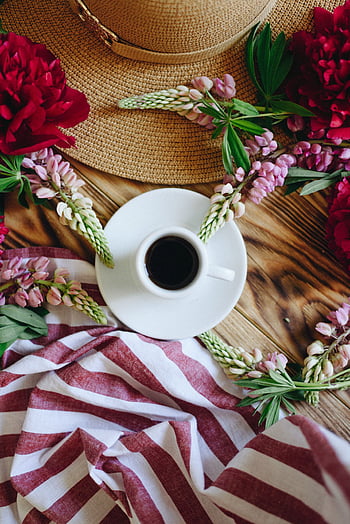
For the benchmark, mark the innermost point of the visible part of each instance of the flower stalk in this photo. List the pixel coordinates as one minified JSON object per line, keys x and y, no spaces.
{"x":267,"y":380}
{"x":30,"y":284}
{"x":52,"y":178}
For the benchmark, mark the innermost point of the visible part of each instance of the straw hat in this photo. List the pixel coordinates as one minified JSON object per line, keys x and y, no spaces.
{"x":160,"y":44}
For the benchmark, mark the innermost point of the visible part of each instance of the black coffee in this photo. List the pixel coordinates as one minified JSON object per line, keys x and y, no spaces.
{"x":172,"y":262}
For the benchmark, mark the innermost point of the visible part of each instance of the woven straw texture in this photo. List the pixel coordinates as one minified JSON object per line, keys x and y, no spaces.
{"x":151,"y":145}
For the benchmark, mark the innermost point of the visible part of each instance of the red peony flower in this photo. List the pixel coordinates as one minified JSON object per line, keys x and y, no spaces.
{"x":338,"y":224}
{"x":34,"y":98}
{"x":3,"y":232}
{"x":320,"y":80}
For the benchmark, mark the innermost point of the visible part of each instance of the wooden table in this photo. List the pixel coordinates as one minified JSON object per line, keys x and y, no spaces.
{"x":293,"y":280}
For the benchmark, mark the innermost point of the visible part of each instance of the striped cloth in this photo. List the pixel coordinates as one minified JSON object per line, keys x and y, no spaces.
{"x":102,"y":425}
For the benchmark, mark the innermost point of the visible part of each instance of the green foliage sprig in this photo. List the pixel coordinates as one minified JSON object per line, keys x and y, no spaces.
{"x":311,"y":181}
{"x":20,"y":323}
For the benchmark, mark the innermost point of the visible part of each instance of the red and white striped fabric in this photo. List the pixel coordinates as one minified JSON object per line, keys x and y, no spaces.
{"x":101,"y":425}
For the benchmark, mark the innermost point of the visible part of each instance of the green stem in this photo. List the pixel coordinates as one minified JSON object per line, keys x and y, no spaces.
{"x":6,"y":285}
{"x":49,"y":283}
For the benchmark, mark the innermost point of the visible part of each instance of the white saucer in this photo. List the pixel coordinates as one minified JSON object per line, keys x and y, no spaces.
{"x":155,"y":316}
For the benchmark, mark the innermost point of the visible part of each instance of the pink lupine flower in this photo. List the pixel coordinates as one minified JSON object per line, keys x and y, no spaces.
{"x":272,"y":362}
{"x":325,"y":328}
{"x":340,"y":317}
{"x":12,"y":268}
{"x":45,"y":192}
{"x":35,"y":297}
{"x":61,"y":272}
{"x":53,"y":296}
{"x":295,"y":123}
{"x":344,"y":350}
{"x":38,"y":263}
{"x":339,"y":362}
{"x":202,"y":83}
{"x":21,"y":297}
{"x":265,"y":143}
{"x":225,"y":88}
{"x":26,"y":280}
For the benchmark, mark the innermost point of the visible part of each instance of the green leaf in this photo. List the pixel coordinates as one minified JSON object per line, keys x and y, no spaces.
{"x":316,"y":185}
{"x":13,"y":162}
{"x":288,"y":405}
{"x":226,"y":154}
{"x":20,"y":323}
{"x":263,"y":45}
{"x":272,"y":413}
{"x":250,"y":57}
{"x":24,"y":192}
{"x":23,"y":315}
{"x":299,"y":173}
{"x":273,"y":390}
{"x":248,"y":126}
{"x":5,"y":345}
{"x":246,"y":401}
{"x":289,"y":107}
{"x":12,"y":331}
{"x":211,"y":111}
{"x":280,"y":379}
{"x":237,"y":150}
{"x":244,"y":108}
{"x":280,"y":62}
{"x":254,"y":383}
{"x":219,"y":128}
{"x":4,"y":321}
{"x":290,"y":188}
{"x":8,"y":184}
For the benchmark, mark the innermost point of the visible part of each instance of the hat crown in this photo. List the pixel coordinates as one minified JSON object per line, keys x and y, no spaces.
{"x":177,"y":26}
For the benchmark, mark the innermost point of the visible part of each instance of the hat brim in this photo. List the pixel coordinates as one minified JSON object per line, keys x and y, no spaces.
{"x":150,"y":145}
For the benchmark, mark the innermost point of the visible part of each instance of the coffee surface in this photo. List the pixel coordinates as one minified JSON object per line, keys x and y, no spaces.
{"x":172,"y":262}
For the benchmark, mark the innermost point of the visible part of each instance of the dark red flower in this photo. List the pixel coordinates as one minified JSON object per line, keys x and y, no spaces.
{"x":3,"y":232}
{"x":320,"y":80}
{"x":338,"y":224}
{"x":34,"y":98}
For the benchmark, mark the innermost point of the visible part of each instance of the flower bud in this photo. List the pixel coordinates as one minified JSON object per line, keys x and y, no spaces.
{"x":238,"y":209}
{"x":195,"y":94}
{"x":315,"y":348}
{"x":53,"y":296}
{"x":327,"y":368}
{"x":257,"y":355}
{"x":295,"y":123}
{"x":237,"y":371}
{"x":344,"y":350}
{"x":254,"y":374}
{"x":281,"y":361}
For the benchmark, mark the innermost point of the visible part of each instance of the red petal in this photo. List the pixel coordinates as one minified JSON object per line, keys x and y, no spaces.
{"x":340,"y":132}
{"x":323,"y":20}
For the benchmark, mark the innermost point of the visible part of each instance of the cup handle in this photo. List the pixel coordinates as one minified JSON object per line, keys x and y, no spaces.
{"x":223,"y":273}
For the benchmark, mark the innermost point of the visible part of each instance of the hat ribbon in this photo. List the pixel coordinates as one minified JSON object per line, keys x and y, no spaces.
{"x":126,"y":49}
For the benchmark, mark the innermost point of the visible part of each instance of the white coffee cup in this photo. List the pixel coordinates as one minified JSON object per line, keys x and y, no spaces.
{"x":171,"y":261}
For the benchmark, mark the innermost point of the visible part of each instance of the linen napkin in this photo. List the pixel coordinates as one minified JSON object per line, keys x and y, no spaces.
{"x":103,"y":425}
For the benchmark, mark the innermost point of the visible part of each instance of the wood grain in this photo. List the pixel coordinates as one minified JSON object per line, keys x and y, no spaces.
{"x":293,"y":279}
